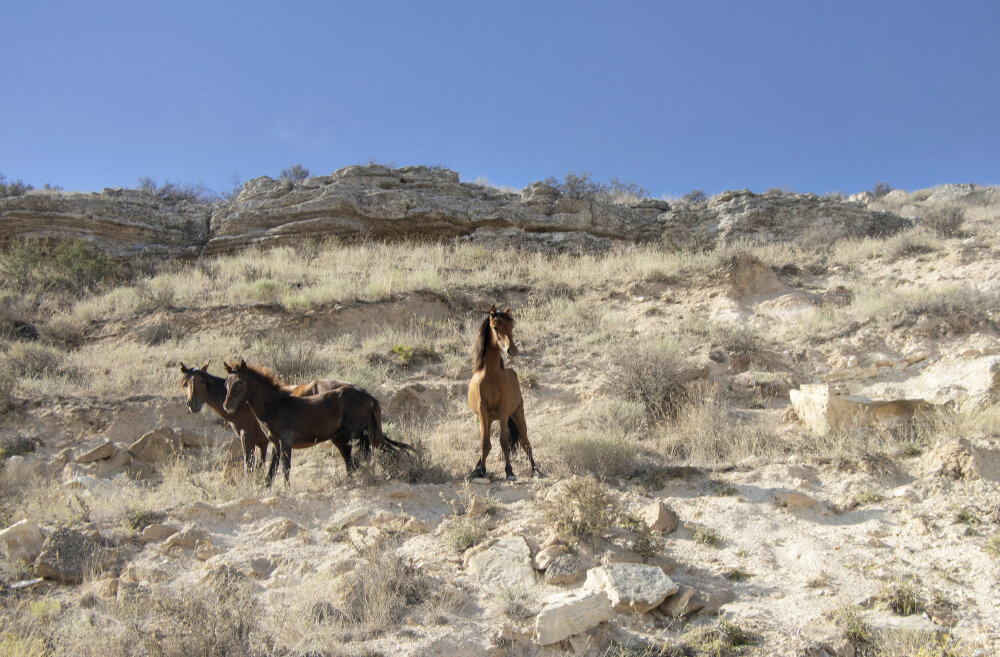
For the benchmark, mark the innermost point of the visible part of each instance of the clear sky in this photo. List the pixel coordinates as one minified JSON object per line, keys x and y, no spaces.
{"x":806,"y":94}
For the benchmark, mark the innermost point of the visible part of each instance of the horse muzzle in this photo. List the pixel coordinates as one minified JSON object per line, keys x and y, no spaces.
{"x":512,"y":349}
{"x":194,"y":406}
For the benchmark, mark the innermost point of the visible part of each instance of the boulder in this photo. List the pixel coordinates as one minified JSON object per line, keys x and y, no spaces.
{"x":416,"y":400}
{"x":22,"y":540}
{"x":824,"y":411}
{"x":567,"y":614}
{"x":886,"y":623}
{"x":68,"y":554}
{"x":187,"y":538}
{"x":955,"y":459}
{"x":631,"y":587}
{"x":505,"y":564}
{"x":20,"y":469}
{"x":701,"y":598}
{"x":277,"y":529}
{"x":157,"y":445}
{"x":345,"y":519}
{"x":659,"y":517}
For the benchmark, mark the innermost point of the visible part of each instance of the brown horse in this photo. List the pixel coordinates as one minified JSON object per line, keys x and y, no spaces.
{"x":495,"y":392}
{"x":338,"y":415}
{"x":204,"y":388}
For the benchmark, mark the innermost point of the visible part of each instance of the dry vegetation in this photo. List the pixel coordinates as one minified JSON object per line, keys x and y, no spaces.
{"x":608,"y":346}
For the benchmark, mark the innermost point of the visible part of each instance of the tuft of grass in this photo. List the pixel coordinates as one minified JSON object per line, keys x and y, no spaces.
{"x":517,"y":603}
{"x":582,"y":509}
{"x":993,"y":545}
{"x":967,"y":515}
{"x":738,"y":575}
{"x":464,"y":532}
{"x":820,"y":581}
{"x":868,"y":496}
{"x":720,"y":639}
{"x":901,"y":597}
{"x":645,"y":543}
{"x":850,"y":620}
{"x":706,"y":536}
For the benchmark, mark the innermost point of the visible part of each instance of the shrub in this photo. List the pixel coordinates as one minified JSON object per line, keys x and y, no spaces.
{"x":901,"y":597}
{"x":15,"y":446}
{"x":14,"y":188}
{"x":295,"y":173}
{"x":650,"y":373}
{"x":742,"y":342}
{"x":695,"y":196}
{"x":172,"y":192}
{"x":881,"y":189}
{"x":82,"y":266}
{"x":584,"y":186}
{"x":19,"y":263}
{"x":945,"y":220}
{"x":582,"y":509}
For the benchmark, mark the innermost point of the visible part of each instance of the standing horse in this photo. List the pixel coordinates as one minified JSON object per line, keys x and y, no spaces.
{"x":204,"y":388}
{"x":338,"y":415}
{"x":495,"y":392}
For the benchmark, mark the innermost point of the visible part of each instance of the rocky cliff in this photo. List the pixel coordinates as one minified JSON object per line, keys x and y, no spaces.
{"x":421,"y":203}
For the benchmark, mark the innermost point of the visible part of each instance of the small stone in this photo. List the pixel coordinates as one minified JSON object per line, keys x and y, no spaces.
{"x":620,"y":556}
{"x":793,"y":499}
{"x":506,"y":563}
{"x":157,"y":532}
{"x":156,"y":446}
{"x":186,"y":538}
{"x":277,"y":529}
{"x":345,"y":519}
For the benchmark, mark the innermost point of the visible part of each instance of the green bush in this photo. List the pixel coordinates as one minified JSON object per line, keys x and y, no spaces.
{"x":83,"y":266}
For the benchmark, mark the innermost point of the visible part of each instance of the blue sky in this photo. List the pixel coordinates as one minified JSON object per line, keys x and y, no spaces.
{"x":813,"y":96}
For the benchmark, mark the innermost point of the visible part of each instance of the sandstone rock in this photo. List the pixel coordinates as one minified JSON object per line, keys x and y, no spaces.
{"x":955,"y":459}
{"x":277,"y":529}
{"x":679,"y":605}
{"x":507,"y":564}
{"x":767,"y":384}
{"x":659,"y":517}
{"x":545,"y":556}
{"x":634,"y":588}
{"x":106,"y":588}
{"x":157,"y":532}
{"x":824,"y":411}
{"x":567,"y":614}
{"x":565,"y":570}
{"x":157,"y":445}
{"x":186,"y":538}
{"x":886,"y":623}
{"x":621,"y":556}
{"x":345,"y":519}
{"x":123,"y":222}
{"x":145,"y":572}
{"x":68,"y":554}
{"x":20,"y":469}
{"x":416,"y":400}
{"x":23,"y":540}
{"x":99,"y":453}
{"x":792,"y":499}
{"x":701,"y":598}
{"x":476,"y":507}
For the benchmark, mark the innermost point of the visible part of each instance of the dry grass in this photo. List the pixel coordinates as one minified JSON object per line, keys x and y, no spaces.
{"x":581,"y":509}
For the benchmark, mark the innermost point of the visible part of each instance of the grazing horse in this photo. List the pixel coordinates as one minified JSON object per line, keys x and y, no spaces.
{"x":495,"y":392}
{"x":204,"y":388}
{"x":338,"y":415}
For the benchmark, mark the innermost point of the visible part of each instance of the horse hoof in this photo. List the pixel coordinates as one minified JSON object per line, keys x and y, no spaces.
{"x":538,"y":474}
{"x":511,"y":477}
{"x":478,"y":473}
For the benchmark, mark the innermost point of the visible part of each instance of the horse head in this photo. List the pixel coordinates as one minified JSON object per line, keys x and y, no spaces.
{"x":194,"y":384}
{"x":236,"y":386}
{"x":502,"y":325}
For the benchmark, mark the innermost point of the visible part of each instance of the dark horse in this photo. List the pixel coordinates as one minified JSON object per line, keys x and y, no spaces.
{"x":495,"y":392}
{"x":338,"y":415}
{"x":204,"y":388}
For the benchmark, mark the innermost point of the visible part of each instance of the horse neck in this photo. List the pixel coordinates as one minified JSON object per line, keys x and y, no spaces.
{"x":262,"y":397}
{"x":493,"y":362}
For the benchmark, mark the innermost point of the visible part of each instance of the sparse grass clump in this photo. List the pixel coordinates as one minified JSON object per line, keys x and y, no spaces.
{"x":464,"y":532}
{"x":706,"y":536}
{"x":743,"y":343}
{"x":967,"y":515}
{"x":720,"y":639}
{"x":582,"y":509}
{"x":993,"y":545}
{"x":15,"y":445}
{"x":850,"y":620}
{"x":645,"y":543}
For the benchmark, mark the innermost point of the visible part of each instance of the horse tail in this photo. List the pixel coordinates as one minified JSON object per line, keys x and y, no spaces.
{"x":378,"y":437}
{"x":514,"y":434}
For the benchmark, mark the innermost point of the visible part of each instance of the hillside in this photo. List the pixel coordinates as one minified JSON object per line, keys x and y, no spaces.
{"x":768,"y":423}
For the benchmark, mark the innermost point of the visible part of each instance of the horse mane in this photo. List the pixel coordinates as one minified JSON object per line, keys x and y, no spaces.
{"x":265,"y":375}
{"x":483,"y":342}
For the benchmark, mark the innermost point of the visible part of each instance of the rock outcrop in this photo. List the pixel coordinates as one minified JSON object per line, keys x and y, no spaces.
{"x":421,"y":203}
{"x":123,"y":222}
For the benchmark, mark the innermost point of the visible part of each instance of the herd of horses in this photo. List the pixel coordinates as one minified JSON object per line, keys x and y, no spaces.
{"x":262,"y":410}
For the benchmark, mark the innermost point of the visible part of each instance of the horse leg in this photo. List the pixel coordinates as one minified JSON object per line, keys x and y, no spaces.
{"x":522,"y":429}
{"x":344,"y":445}
{"x":273,"y":468}
{"x":505,"y":446}
{"x":484,"y":430}
{"x":286,"y":460}
{"x":248,"y":452}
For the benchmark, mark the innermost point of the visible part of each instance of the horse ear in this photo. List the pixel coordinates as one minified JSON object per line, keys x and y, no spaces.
{"x":228,"y":368}
{"x":243,"y":364}
{"x":493,"y":310}
{"x":204,"y":368}
{"x":507,"y":311}
{"x":184,"y":370}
